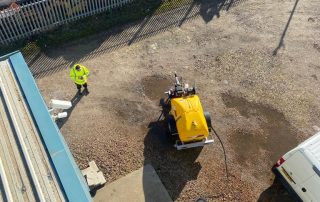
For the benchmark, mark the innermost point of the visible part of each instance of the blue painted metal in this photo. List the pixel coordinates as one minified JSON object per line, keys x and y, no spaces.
{"x":4,"y":57}
{"x":70,"y":177}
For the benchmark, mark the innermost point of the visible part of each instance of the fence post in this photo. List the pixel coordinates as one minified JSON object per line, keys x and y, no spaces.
{"x":31,"y":18}
{"x":86,"y":10}
{"x":54,"y":12}
{"x":8,"y":26}
{"x":60,"y":11}
{"x":3,"y":33}
{"x":17,"y":25}
{"x":38,"y":17}
{"x":90,"y":7}
{"x":25,"y":22}
{"x":49,"y":13}
{"x":43,"y":10}
{"x":21,"y":23}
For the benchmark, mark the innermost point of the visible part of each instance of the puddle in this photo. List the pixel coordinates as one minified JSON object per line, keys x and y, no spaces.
{"x":155,"y":86}
{"x":275,"y":135}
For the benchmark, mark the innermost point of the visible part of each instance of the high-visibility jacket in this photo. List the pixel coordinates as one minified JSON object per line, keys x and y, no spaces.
{"x":79,"y":77}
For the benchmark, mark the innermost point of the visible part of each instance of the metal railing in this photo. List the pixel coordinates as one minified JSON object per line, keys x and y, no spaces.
{"x":22,"y":21}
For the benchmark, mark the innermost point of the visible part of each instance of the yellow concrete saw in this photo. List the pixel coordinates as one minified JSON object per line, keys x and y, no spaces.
{"x":187,"y":123}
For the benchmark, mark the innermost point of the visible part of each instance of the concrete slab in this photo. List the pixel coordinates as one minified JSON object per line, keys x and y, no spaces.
{"x":140,"y":185}
{"x":93,"y":176}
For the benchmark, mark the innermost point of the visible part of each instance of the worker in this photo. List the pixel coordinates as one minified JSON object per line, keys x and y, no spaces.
{"x":79,"y":75}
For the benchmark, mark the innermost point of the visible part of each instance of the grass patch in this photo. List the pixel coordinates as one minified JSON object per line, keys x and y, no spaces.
{"x":170,"y":5}
{"x":134,"y":11}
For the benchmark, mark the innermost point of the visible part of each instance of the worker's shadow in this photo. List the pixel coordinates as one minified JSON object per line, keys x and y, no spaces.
{"x":174,"y":168}
{"x":75,"y":100}
{"x":210,"y":8}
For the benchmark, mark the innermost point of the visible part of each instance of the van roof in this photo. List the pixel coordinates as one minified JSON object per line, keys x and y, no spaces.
{"x":312,"y":148}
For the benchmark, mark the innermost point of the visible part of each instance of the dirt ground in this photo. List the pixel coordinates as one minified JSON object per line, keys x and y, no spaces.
{"x":256,"y":65}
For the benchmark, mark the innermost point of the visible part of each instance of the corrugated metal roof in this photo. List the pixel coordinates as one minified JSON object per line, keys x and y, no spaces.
{"x":25,"y":118}
{"x":18,"y":133}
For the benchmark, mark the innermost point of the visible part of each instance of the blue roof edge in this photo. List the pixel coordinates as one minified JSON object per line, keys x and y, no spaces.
{"x":4,"y":57}
{"x":70,"y":177}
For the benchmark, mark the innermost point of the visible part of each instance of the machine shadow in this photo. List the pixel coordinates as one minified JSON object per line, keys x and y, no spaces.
{"x":276,"y":192}
{"x":174,"y":168}
{"x":75,"y":100}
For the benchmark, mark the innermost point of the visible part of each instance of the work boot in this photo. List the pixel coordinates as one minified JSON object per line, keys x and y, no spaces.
{"x":86,"y":91}
{"x":79,"y":92}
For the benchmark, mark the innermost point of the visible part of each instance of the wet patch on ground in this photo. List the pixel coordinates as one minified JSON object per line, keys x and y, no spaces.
{"x":128,"y":111}
{"x":247,"y":145}
{"x":155,"y":86}
{"x":275,"y":135}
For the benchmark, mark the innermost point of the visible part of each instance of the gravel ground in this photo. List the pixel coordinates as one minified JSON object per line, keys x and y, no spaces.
{"x":256,"y":65}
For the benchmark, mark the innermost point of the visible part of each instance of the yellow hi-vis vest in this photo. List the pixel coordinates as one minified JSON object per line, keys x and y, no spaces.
{"x":79,"y":77}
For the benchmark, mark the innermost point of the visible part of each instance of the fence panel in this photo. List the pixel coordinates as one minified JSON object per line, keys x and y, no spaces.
{"x":18,"y":22}
{"x":23,"y":22}
{"x":9,"y":26}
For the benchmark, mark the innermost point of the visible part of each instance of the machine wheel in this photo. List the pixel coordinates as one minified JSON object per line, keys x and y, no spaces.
{"x":208,"y":120}
{"x":172,"y":129}
{"x":171,"y":125}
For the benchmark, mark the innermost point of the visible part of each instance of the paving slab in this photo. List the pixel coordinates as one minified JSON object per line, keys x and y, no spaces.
{"x":140,"y":185}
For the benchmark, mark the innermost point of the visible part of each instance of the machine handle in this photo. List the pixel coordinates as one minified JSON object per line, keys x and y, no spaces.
{"x":177,"y":79}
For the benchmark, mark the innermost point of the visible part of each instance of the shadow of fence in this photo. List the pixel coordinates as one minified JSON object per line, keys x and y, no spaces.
{"x":46,"y":62}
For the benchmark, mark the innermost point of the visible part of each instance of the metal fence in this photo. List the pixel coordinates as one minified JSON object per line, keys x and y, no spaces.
{"x":21,"y":21}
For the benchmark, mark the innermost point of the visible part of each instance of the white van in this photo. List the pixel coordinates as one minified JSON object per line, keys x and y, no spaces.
{"x":299,"y":170}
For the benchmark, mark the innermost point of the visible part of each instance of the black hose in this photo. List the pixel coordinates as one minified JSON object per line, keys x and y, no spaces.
{"x":224,"y":152}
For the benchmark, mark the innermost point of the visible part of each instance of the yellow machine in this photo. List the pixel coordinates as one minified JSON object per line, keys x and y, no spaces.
{"x":187,"y":123}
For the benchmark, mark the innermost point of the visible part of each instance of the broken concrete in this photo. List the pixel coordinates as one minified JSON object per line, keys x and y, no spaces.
{"x":93,"y":176}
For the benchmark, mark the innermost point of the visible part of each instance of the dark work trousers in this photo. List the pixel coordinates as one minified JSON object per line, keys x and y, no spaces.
{"x":79,"y":86}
